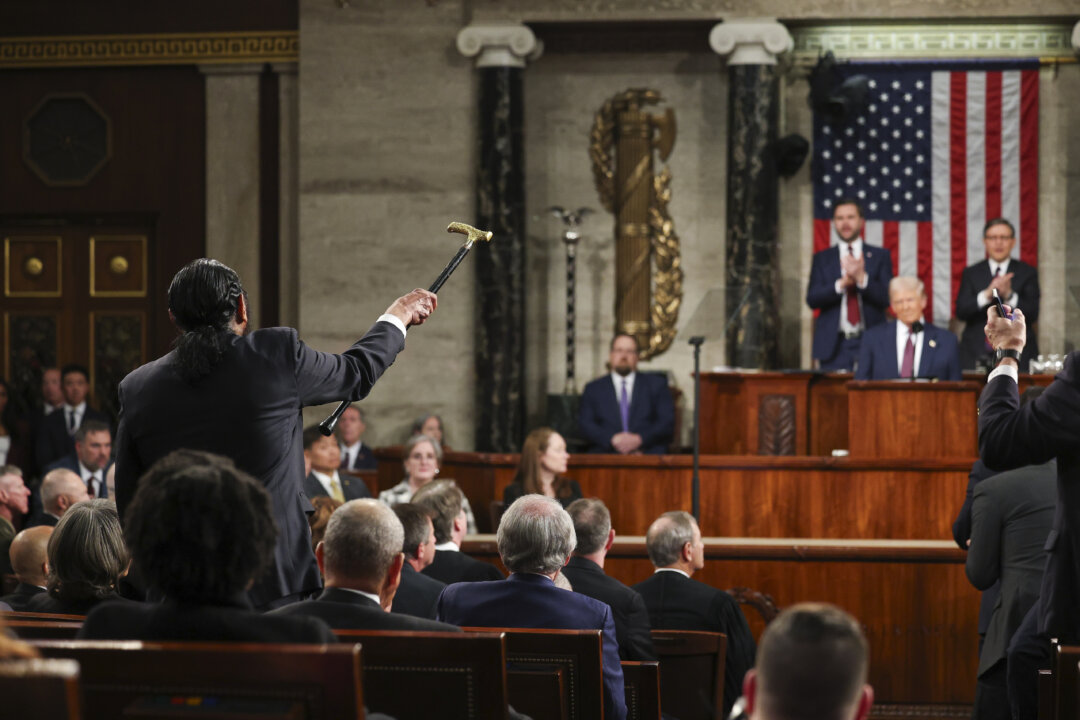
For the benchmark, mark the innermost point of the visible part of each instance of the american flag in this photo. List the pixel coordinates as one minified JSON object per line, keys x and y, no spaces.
{"x":938,"y":150}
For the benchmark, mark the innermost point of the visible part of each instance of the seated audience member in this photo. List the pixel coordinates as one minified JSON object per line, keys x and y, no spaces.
{"x":592,"y":525}
{"x":675,"y":601}
{"x":1011,"y":517}
{"x":14,"y":502}
{"x":325,"y":458}
{"x":29,"y":558}
{"x":87,"y":558}
{"x":625,"y":411}
{"x":200,"y":531}
{"x":361,"y":559}
{"x":443,"y":501}
{"x":355,"y":455}
{"x":55,"y":436}
{"x":417,"y":593}
{"x":543,"y":460}
{"x":535,"y":539}
{"x":324,"y":508}
{"x":14,"y":432}
{"x":422,"y":455}
{"x":811,"y":665}
{"x":432,"y":426}
{"x":908,"y":347}
{"x":60,"y":489}
{"x":91,"y":458}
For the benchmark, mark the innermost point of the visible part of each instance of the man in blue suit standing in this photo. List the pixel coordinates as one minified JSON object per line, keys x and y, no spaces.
{"x":908,"y":347}
{"x":626,"y":411}
{"x":536,"y":537}
{"x":849,"y":287}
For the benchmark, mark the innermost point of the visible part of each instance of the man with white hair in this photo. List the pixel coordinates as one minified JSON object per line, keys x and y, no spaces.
{"x":60,"y":489}
{"x":811,"y":665}
{"x":535,"y":539}
{"x":14,"y":500}
{"x":908,"y":347}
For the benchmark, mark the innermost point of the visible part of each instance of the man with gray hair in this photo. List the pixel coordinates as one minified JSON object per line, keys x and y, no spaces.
{"x":60,"y":489}
{"x":535,"y":539}
{"x":14,"y":500}
{"x":360,"y":558}
{"x":811,"y":665}
{"x":595,"y":536}
{"x":675,"y":601}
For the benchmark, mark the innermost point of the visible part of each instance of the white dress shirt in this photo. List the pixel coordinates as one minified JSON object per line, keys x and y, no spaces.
{"x":902,"y":334}
{"x":79,"y":411}
{"x":327,"y":481}
{"x":629,"y":380}
{"x":986,"y":297}
{"x":92,"y":479}
{"x":856,"y":251}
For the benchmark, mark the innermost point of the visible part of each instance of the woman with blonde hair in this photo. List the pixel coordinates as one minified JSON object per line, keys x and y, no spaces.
{"x":540,"y":470}
{"x":422,"y":456}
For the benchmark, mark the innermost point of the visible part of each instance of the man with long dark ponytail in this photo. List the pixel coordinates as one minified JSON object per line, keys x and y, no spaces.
{"x":239,"y":394}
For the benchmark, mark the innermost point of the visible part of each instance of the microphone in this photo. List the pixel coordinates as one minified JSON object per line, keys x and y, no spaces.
{"x":916,"y":327}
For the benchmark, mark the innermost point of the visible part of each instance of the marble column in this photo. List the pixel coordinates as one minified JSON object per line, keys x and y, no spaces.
{"x":501,"y":52}
{"x":288,"y":183}
{"x":753,"y":272}
{"x":232,"y":171}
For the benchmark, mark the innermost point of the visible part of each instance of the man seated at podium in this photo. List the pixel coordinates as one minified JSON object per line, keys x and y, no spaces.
{"x":908,"y":347}
{"x":627,"y":412}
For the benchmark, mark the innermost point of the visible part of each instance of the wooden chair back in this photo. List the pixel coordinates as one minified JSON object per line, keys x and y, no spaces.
{"x":541,"y":689}
{"x":214,"y":680}
{"x":691,"y":673}
{"x":1066,"y":701}
{"x":577,"y":652}
{"x":447,"y":675}
{"x":40,"y":689}
{"x":56,"y":617}
{"x":44,"y":630}
{"x":642,"y":680}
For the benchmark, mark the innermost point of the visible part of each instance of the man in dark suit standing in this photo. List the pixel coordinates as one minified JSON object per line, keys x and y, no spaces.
{"x":626,"y":411}
{"x":535,"y":539}
{"x":29,"y":560}
{"x":361,"y":559}
{"x":908,"y":347}
{"x":417,"y":593}
{"x":240,"y":395}
{"x":1011,"y":514}
{"x":1011,"y":435}
{"x":676,"y":601}
{"x":55,"y":436}
{"x":91,"y":458}
{"x":1016,"y":282}
{"x":849,"y":287}
{"x":444,"y":503}
{"x":585,"y":571}
{"x":355,"y":455}
{"x":325,"y":458}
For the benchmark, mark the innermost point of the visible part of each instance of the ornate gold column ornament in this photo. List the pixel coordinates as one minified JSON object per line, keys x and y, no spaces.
{"x":648,"y":271}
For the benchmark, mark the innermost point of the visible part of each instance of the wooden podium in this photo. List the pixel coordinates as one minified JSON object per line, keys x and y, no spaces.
{"x":913,"y":419}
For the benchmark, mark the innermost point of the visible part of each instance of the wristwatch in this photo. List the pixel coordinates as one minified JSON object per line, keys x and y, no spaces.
{"x":1000,"y":355}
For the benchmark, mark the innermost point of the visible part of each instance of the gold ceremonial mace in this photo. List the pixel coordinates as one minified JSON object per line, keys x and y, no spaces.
{"x":326,"y":427}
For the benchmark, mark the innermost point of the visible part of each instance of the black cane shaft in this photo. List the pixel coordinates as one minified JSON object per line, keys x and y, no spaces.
{"x":326,"y":427}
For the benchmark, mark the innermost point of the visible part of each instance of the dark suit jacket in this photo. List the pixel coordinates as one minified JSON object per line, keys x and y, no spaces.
{"x":533,"y":601}
{"x":42,"y":518}
{"x":352,"y":488}
{"x":676,"y":602}
{"x":877,"y":354}
{"x":364,"y":460}
{"x":46,"y":603}
{"x":652,"y":413}
{"x":226,"y":622}
{"x":974,"y":280}
{"x":71,"y":462}
{"x":53,"y":441}
{"x":417,"y":594}
{"x":1011,"y":436}
{"x":961,"y":530}
{"x":515,"y":490}
{"x":1011,"y":517}
{"x":19,"y":599}
{"x":821,"y":295}
{"x":248,"y":409}
{"x":451,"y":566}
{"x":631,"y":620}
{"x":346,"y":610}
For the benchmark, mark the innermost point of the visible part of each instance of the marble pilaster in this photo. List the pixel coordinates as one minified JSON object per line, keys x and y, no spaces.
{"x":753,"y":273}
{"x":288,"y":215}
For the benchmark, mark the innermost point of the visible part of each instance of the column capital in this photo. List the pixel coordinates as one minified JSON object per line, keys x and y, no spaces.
{"x":505,"y":45}
{"x":750,"y":41}
{"x":1076,"y":38}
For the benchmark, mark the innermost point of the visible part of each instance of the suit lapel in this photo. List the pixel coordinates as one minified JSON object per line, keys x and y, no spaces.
{"x":926,"y":362}
{"x":890,"y":347}
{"x":612,"y":398}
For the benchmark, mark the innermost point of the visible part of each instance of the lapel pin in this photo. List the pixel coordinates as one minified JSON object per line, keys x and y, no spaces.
{"x":933,"y":343}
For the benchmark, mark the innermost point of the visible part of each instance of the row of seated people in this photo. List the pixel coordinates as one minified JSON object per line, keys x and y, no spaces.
{"x":200,"y":531}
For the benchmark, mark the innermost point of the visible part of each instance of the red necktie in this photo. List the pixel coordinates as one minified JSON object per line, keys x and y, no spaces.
{"x":907,"y":369}
{"x":852,"y":299}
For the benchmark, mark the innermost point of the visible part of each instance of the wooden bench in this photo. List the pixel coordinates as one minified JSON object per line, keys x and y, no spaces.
{"x":214,"y":680}
{"x":44,"y":629}
{"x":578,"y":654}
{"x":40,"y":689}
{"x":57,"y":617}
{"x":444,"y":675}
{"x":1066,"y":702}
{"x":642,"y":680}
{"x":691,"y":673}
